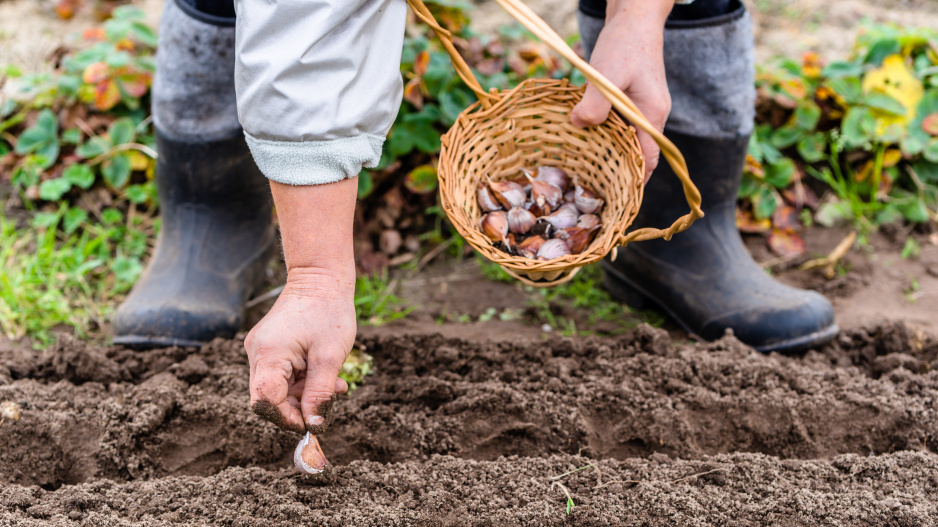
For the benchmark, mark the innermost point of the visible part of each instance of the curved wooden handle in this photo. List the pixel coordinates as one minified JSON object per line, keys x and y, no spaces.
{"x":620,"y":101}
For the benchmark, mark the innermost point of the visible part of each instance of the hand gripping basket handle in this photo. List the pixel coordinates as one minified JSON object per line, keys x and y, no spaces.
{"x":619,"y":100}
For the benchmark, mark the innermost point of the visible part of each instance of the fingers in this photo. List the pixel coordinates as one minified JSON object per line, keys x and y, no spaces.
{"x":593,"y":110}
{"x":320,"y":389}
{"x":270,"y":381}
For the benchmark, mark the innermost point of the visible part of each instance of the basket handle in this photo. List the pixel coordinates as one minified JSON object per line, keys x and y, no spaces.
{"x":620,"y":101}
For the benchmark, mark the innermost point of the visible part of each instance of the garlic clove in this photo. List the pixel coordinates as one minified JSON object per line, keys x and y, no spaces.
{"x":553,"y":175}
{"x":543,"y":193}
{"x":532,"y":244}
{"x":553,"y":248}
{"x":509,"y":194}
{"x":571,"y":206}
{"x":486,"y":200}
{"x":562,"y":218}
{"x":495,"y":225}
{"x":10,"y":410}
{"x":569,"y":195}
{"x":588,"y":221}
{"x":586,"y":200}
{"x":538,"y":210}
{"x":520,"y":221}
{"x":308,"y":457}
{"x":577,"y":238}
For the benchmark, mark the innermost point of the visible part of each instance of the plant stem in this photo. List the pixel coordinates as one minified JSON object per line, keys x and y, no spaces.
{"x":877,"y":174}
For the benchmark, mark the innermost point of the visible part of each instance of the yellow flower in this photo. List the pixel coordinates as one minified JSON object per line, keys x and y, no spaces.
{"x":894,"y":78}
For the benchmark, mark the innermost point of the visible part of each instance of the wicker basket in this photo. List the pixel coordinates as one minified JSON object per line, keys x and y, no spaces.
{"x":530,"y":126}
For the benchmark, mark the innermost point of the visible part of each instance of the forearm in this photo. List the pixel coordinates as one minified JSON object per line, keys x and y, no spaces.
{"x":316,"y":227}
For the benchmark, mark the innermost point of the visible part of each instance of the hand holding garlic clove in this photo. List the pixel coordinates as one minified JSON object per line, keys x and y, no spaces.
{"x":549,"y":214}
{"x":308,"y":457}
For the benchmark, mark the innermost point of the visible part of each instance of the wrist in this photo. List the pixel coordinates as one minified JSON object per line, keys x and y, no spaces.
{"x":319,"y":282}
{"x":640,"y":11}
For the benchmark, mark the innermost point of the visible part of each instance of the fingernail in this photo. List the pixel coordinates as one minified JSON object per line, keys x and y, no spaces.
{"x":315,"y":420}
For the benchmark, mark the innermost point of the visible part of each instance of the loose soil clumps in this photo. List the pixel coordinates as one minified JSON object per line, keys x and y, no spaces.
{"x":450,"y":432}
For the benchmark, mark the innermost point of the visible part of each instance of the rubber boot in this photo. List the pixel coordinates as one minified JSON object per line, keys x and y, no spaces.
{"x":704,"y":278}
{"x":217,"y":232}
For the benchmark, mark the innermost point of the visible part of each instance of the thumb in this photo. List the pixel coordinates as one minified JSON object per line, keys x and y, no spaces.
{"x":592,"y":110}
{"x":319,"y":393}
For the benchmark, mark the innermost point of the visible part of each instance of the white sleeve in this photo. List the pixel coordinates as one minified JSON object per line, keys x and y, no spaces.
{"x":318,"y":84}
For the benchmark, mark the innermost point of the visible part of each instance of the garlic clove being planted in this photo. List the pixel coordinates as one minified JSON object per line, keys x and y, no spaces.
{"x":486,"y":200}
{"x":495,"y":225}
{"x":588,"y":221}
{"x":586,"y":200}
{"x":520,"y":221}
{"x":553,"y":175}
{"x":562,"y":218}
{"x":553,"y":248}
{"x":509,"y":194}
{"x":308,"y":457}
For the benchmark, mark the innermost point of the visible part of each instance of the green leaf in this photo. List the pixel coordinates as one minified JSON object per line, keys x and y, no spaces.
{"x":54,"y":189}
{"x":126,"y":270}
{"x":813,"y":148}
{"x":421,"y":180}
{"x":858,"y":126}
{"x":128,"y":12}
{"x":365,"y":184}
{"x":927,"y":172}
{"x":47,"y":122}
{"x":79,"y":175}
{"x":72,"y":136}
{"x":915,"y":211}
{"x":807,"y":116}
{"x":884,"y":103}
{"x":144,"y":34}
{"x":833,"y":213}
{"x":786,"y":136}
{"x":931,"y":151}
{"x":764,"y":203}
{"x":117,"y":29}
{"x":45,"y":220}
{"x":849,"y":88}
{"x":882,"y":49}
{"x":780,"y":174}
{"x":843,"y":69}
{"x":111,"y":216}
{"x":93,"y":147}
{"x":73,"y":219}
{"x":116,"y":170}
{"x":912,"y":145}
{"x":117,"y":59}
{"x":121,"y":131}
{"x":31,"y":140}
{"x":137,"y":194}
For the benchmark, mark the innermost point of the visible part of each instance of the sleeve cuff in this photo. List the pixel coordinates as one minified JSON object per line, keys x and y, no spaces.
{"x":315,"y":162}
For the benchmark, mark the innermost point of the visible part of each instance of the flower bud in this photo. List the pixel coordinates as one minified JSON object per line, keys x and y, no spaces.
{"x":563,"y":218}
{"x":486,"y":200}
{"x":509,"y":194}
{"x":588,"y":221}
{"x":520,"y":221}
{"x":554,"y":248}
{"x":553,"y":175}
{"x":495,"y":225}
{"x":308,"y":457}
{"x":586,"y":200}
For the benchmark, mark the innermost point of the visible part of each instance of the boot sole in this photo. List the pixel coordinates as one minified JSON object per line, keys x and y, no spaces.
{"x":140,"y":342}
{"x":626,"y":291}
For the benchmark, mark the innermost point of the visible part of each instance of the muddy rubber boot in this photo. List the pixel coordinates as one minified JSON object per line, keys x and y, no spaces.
{"x":217,"y":233}
{"x":704,"y":278}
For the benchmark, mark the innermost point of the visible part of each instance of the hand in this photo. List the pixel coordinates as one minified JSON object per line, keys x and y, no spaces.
{"x":298,"y":349}
{"x":629,"y":52}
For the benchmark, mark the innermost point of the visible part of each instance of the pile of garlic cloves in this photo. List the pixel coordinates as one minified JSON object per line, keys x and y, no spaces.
{"x":540,"y":214}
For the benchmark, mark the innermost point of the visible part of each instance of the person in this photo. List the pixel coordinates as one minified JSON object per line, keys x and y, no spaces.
{"x":304,"y":93}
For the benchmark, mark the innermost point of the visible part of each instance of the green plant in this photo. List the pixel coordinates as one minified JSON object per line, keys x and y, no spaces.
{"x":357,"y":366}
{"x":65,"y":268}
{"x":375,"y":302}
{"x":867,"y":127}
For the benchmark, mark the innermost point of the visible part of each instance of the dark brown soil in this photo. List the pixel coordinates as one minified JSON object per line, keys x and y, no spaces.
{"x":452,"y":432}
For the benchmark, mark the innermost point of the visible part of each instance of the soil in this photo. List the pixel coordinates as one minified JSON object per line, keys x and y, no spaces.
{"x":457,"y":432}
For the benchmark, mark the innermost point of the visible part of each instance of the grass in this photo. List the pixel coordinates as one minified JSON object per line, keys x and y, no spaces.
{"x":375,"y":302}
{"x":65,"y":268}
{"x":583,"y":294}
